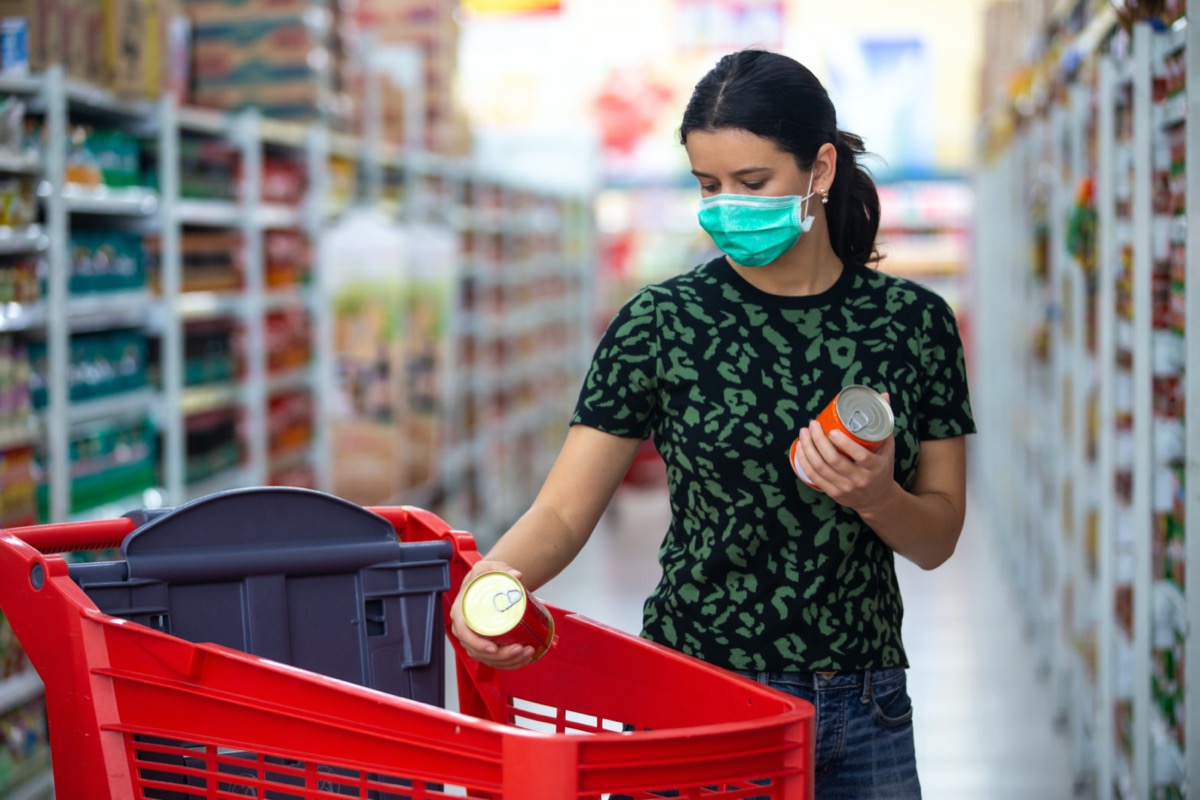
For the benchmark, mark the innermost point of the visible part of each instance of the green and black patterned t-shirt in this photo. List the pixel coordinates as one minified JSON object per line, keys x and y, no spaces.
{"x":761,"y":572}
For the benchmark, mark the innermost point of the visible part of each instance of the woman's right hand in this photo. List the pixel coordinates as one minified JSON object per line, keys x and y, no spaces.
{"x":480,"y":648}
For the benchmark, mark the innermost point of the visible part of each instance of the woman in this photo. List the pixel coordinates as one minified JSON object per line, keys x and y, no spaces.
{"x":725,"y":366}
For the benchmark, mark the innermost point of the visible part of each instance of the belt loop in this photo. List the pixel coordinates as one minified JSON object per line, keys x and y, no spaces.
{"x":866,"y":694}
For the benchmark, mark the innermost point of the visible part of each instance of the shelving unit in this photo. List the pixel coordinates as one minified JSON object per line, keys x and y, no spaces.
{"x":925,"y":231}
{"x":246,"y":348}
{"x":1086,"y":188}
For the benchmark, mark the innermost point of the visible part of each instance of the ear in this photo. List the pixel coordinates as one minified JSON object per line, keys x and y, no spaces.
{"x":825,"y":167}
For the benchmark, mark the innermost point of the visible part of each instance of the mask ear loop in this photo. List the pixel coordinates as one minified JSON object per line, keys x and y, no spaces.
{"x":807,"y":197}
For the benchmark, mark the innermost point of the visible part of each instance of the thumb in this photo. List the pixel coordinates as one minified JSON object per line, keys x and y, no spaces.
{"x":887,"y":397}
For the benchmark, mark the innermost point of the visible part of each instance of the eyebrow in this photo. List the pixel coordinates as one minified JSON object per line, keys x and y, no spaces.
{"x":739,"y":173}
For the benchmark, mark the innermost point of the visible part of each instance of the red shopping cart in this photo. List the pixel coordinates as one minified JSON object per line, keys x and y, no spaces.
{"x":137,"y":713}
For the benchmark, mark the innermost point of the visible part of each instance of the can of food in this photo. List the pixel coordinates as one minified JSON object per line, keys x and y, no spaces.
{"x":495,"y":605}
{"x":857,"y":411}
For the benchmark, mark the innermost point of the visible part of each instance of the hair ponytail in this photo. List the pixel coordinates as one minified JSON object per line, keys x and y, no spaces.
{"x":778,"y":98}
{"x":853,"y":208}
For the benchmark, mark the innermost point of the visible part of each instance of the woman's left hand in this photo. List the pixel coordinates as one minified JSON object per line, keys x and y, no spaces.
{"x":851,"y":474}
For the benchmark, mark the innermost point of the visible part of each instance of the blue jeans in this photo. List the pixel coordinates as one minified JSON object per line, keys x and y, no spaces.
{"x":864,"y":731}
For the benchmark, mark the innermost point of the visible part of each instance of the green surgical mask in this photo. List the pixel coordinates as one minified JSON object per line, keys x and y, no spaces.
{"x":755,"y":230}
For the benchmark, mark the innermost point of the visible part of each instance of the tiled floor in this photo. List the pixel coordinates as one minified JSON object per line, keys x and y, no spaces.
{"x":984,"y":728}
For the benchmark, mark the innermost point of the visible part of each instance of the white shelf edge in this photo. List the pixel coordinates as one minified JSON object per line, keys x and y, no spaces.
{"x":117,"y":406}
{"x":19,"y":689}
{"x":202,"y":399}
{"x":216,"y":213}
{"x":233,"y":478}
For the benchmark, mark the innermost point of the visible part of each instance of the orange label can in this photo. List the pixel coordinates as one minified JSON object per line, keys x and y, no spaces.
{"x":857,"y":411}
{"x":495,"y":605}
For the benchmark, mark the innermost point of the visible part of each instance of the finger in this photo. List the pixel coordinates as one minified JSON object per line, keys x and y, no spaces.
{"x":887,"y":397}
{"x":829,"y":453}
{"x":848,"y":447}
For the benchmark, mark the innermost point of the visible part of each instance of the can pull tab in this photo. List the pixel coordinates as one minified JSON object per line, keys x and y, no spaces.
{"x":503,"y":601}
{"x":858,"y":420}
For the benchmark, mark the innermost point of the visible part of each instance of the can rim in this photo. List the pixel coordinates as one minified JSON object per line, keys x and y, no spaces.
{"x":491,"y":620}
{"x":876,"y":429}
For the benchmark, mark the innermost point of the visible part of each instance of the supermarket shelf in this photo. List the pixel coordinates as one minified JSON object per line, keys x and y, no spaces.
{"x":150,"y":498}
{"x":1170,"y":766}
{"x":215,"y":213}
{"x":39,"y":787}
{"x":22,"y":86}
{"x":118,"y":406}
{"x":87,"y":96}
{"x":278,"y":133}
{"x":105,"y":310}
{"x":288,"y":297}
{"x":22,"y":240}
{"x":233,"y":478}
{"x":300,"y":378}
{"x":209,"y":121}
{"x":279,"y":216}
{"x":19,"y":689}
{"x":202,"y":399}
{"x":17,"y":435}
{"x":22,"y":316}
{"x":206,"y":305}
{"x":100,"y":200}
{"x":289,"y":459}
{"x":22,"y":163}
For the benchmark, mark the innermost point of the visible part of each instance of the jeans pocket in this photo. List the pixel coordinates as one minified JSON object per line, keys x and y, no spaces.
{"x":893,"y":706}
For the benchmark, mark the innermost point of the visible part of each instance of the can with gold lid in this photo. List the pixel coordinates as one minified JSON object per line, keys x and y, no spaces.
{"x":496,"y":606}
{"x":857,"y":411}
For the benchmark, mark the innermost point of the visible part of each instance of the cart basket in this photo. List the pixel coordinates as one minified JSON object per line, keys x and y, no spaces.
{"x":137,"y":713}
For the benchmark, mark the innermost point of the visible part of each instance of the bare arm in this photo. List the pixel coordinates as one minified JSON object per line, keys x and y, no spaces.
{"x":551,"y":533}
{"x":923,"y":524}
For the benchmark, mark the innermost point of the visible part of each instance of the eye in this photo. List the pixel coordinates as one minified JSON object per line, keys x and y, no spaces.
{"x":709,"y":187}
{"x":754,"y":186}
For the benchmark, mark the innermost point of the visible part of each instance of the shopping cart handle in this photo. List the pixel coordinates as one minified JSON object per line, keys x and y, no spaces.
{"x":105,"y":534}
{"x":414,"y":524}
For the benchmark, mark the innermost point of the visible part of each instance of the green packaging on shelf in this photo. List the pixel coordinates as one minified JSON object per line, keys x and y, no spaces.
{"x":108,"y":464}
{"x":101,"y":365}
{"x":106,"y":261}
{"x":103,"y":156}
{"x":252,"y":50}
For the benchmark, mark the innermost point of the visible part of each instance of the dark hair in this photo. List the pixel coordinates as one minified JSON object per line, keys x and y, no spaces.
{"x":778,"y":98}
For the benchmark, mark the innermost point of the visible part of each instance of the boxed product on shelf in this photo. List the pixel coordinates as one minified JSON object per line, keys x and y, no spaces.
{"x":98,"y":156}
{"x":106,"y":261}
{"x":283,"y":180}
{"x":211,"y":352}
{"x":12,"y":657}
{"x":108,"y":463}
{"x":44,"y":23}
{"x":25,"y":746}
{"x":268,"y":55}
{"x":288,"y":258}
{"x":101,"y":364}
{"x":208,"y":169}
{"x":18,"y":201}
{"x":213,"y":261}
{"x":18,"y":490}
{"x":289,"y":336}
{"x":16,"y":402}
{"x":214,"y":443}
{"x":20,"y":280}
{"x":289,"y":422}
{"x":135,"y":45}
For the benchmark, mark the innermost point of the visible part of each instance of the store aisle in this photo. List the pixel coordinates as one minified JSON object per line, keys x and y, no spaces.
{"x":984,"y":722}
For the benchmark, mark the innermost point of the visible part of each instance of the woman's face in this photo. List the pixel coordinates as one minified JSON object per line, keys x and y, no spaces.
{"x":735,"y":161}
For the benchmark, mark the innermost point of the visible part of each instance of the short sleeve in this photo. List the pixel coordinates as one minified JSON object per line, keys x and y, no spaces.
{"x":945,"y":407}
{"x":619,"y":394}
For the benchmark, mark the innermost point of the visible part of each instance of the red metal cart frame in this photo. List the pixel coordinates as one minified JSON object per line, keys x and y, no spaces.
{"x":136,"y":713}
